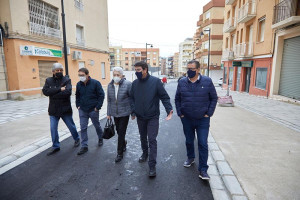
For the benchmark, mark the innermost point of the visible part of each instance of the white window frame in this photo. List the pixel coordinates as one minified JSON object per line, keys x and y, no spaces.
{"x":103,"y":70}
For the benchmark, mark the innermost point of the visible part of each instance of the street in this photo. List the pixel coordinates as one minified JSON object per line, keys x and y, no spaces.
{"x":95,"y":175}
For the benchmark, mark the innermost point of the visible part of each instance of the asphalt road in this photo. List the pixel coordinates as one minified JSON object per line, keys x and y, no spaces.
{"x":95,"y":175}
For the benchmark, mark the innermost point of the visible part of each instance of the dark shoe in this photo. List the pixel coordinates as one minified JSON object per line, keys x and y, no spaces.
{"x":189,"y":162}
{"x":143,"y":158}
{"x":204,"y":176}
{"x":152,"y":172}
{"x":82,"y":151}
{"x":77,"y":143}
{"x":118,"y":158}
{"x":53,"y":151}
{"x":125,"y":147}
{"x":100,"y":142}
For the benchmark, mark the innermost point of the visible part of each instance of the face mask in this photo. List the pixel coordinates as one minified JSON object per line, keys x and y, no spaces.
{"x":59,"y":75}
{"x":191,"y":74}
{"x":82,"y":78}
{"x":139,"y":75}
{"x":117,"y":79}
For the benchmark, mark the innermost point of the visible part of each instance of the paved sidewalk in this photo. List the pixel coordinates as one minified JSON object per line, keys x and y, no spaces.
{"x":284,"y":113}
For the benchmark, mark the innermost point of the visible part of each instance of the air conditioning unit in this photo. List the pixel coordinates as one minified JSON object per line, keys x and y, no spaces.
{"x":77,"y":55}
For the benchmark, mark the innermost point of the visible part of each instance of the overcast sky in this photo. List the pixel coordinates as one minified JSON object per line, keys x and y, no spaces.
{"x":163,"y":23}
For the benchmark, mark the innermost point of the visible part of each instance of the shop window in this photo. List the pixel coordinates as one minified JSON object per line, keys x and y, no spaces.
{"x":230,"y":75}
{"x":103,"y":70}
{"x":261,"y":77}
{"x":225,"y":75}
{"x":261,"y":29}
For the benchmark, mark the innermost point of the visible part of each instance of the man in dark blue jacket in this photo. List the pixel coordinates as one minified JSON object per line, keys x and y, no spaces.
{"x":89,"y":100}
{"x":146,"y":92}
{"x":196,"y":100}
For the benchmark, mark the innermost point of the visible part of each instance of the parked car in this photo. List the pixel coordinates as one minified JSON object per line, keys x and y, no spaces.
{"x":220,"y":81}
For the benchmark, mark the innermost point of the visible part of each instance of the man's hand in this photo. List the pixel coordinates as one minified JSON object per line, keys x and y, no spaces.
{"x":96,"y":110}
{"x":170,"y":115}
{"x":133,"y":117}
{"x":182,"y":116}
{"x":78,"y":108}
{"x":108,"y":117}
{"x":63,"y":88}
{"x":206,"y":116}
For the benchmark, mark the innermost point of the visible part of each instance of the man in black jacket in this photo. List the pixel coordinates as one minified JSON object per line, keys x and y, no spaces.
{"x":89,"y":100}
{"x":146,"y":92}
{"x":59,"y":89}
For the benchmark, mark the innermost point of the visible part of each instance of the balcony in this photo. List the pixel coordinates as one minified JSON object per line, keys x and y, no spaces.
{"x":285,"y":14}
{"x":44,"y":30}
{"x":247,"y":12}
{"x":228,"y":54}
{"x":229,"y":2}
{"x":244,"y":50}
{"x":229,"y":25}
{"x":80,"y":42}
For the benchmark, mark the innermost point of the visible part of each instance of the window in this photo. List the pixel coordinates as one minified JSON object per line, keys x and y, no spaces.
{"x":207,"y":16}
{"x":206,"y":45}
{"x":79,"y":35}
{"x":261,"y":77}
{"x":226,"y":44}
{"x":154,"y":53}
{"x":118,"y":51}
{"x":225,"y":75}
{"x":79,"y":4}
{"x":81,"y":64}
{"x":126,"y":53}
{"x":241,"y":38}
{"x":43,"y":19}
{"x":103,"y":70}
{"x":230,"y":75}
{"x":126,"y":58}
{"x":261,"y":29}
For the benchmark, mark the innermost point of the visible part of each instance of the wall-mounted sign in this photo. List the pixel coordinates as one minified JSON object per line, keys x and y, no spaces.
{"x":236,"y":63}
{"x":242,"y":63}
{"x":38,"y":51}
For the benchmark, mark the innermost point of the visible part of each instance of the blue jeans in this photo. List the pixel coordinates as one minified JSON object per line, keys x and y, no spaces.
{"x":68,"y":119}
{"x":202,"y":128}
{"x":84,"y":121}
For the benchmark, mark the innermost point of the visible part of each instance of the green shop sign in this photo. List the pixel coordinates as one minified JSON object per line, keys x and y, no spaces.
{"x":38,"y":51}
{"x":242,"y":63}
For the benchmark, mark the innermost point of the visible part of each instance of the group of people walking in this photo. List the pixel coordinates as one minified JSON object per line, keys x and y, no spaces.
{"x":195,"y":101}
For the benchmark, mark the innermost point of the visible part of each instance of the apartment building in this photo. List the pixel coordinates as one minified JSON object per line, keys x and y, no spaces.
{"x":163,"y":66}
{"x":248,"y":45}
{"x":115,"y":56}
{"x":185,"y":54}
{"x":132,"y":55}
{"x":208,"y":50}
{"x":32,"y":40}
{"x":175,"y":64}
{"x":285,"y":78}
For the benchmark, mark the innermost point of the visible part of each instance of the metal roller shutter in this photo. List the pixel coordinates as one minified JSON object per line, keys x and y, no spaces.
{"x":290,"y":69}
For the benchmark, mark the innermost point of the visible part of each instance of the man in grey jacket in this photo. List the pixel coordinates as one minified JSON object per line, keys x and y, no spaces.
{"x":119,"y":107}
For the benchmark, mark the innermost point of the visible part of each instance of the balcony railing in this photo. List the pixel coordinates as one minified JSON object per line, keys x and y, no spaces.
{"x":229,"y":2}
{"x":244,"y":50}
{"x":284,"y":10}
{"x":80,"y":42}
{"x":247,"y":11}
{"x":229,"y":25}
{"x":44,"y":30}
{"x":78,"y":4}
{"x":228,"y":54}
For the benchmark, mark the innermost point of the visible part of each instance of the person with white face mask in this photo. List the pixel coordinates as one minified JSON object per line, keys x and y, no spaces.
{"x":119,"y":107}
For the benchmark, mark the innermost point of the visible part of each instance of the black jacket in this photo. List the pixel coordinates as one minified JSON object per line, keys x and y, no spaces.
{"x":59,"y":101}
{"x":146,"y":94}
{"x":89,"y":96}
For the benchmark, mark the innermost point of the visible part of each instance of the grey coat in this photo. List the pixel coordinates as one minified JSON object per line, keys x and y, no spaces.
{"x":121,"y":106}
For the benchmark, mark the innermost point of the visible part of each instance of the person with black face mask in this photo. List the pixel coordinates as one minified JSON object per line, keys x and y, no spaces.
{"x":59,"y":89}
{"x":196,"y":100}
{"x":146,"y":92}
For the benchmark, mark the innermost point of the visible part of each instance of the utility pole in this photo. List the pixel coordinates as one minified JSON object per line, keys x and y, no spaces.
{"x":64,"y":37}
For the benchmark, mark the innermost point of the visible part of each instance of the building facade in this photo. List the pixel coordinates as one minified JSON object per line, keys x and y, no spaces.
{"x":185,"y":54}
{"x":285,"y":77}
{"x":248,"y":45}
{"x":163,"y":66}
{"x":208,"y":49}
{"x":33,"y":41}
{"x":115,"y":53}
{"x":175,"y":64}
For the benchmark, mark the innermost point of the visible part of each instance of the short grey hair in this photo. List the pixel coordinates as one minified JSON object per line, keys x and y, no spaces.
{"x":57,"y":66}
{"x":118,"y":69}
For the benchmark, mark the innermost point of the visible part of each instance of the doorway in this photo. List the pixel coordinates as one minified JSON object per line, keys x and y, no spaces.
{"x":248,"y":78}
{"x":238,"y":78}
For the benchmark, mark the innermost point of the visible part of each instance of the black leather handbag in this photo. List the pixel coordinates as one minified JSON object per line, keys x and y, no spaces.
{"x":109,"y":129}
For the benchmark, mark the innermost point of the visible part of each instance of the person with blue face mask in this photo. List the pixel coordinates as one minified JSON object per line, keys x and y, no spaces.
{"x":146,"y":92}
{"x":196,"y":100}
{"x":119,"y":107}
{"x":89,"y":100}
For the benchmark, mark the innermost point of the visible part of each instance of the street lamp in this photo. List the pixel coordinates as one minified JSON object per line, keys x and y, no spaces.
{"x":151,"y":45}
{"x":64,"y":36}
{"x":201,"y":34}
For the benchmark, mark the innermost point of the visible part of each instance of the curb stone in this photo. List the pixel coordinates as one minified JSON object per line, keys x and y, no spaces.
{"x":18,"y":157}
{"x":223,"y":183}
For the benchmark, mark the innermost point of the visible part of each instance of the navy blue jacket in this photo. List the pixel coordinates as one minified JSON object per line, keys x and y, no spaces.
{"x":194,"y":100}
{"x":146,"y":94}
{"x":89,"y":96}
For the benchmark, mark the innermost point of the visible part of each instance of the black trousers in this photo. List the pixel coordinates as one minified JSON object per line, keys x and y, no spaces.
{"x":121,"y":127}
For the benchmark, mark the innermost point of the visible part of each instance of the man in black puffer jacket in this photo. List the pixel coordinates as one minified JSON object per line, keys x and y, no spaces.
{"x":196,"y":100}
{"x":146,"y":92}
{"x":59,"y":89}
